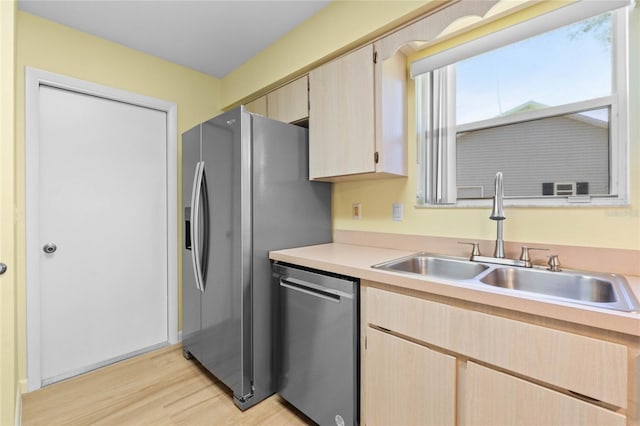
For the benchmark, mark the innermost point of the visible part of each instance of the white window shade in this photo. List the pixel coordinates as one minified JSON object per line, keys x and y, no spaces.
{"x":569,"y":14}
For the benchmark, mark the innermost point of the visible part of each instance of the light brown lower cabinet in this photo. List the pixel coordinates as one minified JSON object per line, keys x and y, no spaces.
{"x":432,"y":363}
{"x":408,"y":384}
{"x":489,"y":397}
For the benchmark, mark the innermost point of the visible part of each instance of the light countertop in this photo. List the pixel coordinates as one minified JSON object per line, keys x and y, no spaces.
{"x":356,"y":261}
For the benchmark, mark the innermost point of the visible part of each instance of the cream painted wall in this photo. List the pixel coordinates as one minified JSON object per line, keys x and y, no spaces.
{"x":595,"y":227}
{"x":9,"y":384}
{"x":52,"y":47}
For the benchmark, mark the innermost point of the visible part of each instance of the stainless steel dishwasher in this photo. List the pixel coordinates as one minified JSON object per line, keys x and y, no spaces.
{"x":318,"y":343}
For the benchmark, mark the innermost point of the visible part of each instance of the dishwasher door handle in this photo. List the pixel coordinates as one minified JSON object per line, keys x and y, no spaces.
{"x":314,"y":289}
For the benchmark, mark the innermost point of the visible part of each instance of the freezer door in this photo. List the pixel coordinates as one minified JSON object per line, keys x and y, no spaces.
{"x":288,"y":211}
{"x":226,"y":299}
{"x":190,"y":293}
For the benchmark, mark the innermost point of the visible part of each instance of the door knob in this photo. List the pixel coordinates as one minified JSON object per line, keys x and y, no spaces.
{"x":49,"y":248}
{"x":3,"y":268}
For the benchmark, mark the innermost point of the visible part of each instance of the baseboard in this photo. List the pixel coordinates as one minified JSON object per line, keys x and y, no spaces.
{"x":18,"y":413}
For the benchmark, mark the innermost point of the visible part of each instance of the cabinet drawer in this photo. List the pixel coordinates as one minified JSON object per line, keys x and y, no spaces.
{"x":588,"y":366}
{"x":493,"y":398}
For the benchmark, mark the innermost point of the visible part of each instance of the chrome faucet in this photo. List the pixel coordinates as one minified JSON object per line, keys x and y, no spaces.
{"x":497,"y":214}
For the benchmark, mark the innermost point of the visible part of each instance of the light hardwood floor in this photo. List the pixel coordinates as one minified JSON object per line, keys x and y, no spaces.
{"x":158,"y":388}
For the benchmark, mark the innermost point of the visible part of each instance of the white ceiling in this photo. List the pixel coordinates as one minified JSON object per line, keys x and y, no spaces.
{"x":211,"y":36}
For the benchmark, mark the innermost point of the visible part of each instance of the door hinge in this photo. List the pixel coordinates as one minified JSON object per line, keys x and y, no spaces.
{"x":375,"y":57}
{"x":365,"y":343}
{"x":376,"y":157}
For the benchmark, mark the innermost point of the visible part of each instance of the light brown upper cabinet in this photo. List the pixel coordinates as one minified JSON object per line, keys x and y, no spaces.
{"x":258,"y":106}
{"x":357,"y":117}
{"x":290,"y":103}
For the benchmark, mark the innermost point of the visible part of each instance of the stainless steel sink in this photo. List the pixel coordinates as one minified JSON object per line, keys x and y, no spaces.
{"x":607,"y":291}
{"x":600,"y":290}
{"x":435,"y":266}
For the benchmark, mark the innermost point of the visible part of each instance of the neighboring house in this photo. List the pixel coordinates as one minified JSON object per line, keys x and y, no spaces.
{"x":574,"y":149}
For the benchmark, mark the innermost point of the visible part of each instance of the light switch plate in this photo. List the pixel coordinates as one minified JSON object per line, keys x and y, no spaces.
{"x":356,"y":211}
{"x":397,"y":212}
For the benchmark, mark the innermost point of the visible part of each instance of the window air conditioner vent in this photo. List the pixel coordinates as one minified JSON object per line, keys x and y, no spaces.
{"x":566,"y":189}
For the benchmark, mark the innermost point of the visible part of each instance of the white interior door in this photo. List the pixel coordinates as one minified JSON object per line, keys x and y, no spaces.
{"x":102,"y":202}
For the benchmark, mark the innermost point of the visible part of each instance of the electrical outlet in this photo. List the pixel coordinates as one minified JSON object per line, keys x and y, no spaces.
{"x":397,"y":212}
{"x":356,"y":211}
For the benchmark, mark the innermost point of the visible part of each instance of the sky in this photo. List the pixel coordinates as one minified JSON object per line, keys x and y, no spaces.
{"x":552,"y":69}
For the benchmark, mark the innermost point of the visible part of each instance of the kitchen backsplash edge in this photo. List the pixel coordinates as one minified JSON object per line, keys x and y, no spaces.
{"x":597,"y":259}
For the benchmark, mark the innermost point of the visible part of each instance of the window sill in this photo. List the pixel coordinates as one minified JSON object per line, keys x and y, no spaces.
{"x":534,"y":203}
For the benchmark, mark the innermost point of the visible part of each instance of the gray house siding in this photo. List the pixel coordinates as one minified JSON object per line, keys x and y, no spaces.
{"x":559,"y":149}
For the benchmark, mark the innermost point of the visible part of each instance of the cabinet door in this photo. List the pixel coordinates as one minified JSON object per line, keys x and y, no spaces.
{"x":258,"y":106}
{"x":493,"y":398}
{"x":290,"y":103}
{"x":407,"y":384}
{"x":341,"y":118}
{"x":391,"y":114}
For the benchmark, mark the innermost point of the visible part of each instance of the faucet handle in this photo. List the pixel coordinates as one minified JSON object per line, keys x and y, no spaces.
{"x":475,"y":250}
{"x":554,"y":263}
{"x":524,"y":255}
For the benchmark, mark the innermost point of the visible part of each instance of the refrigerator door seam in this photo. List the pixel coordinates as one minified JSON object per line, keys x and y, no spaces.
{"x":246,"y":243}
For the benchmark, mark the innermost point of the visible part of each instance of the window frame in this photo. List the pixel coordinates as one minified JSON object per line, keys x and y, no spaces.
{"x":443,"y":187}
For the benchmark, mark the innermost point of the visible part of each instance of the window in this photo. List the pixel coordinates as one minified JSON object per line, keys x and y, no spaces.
{"x":548,"y":111}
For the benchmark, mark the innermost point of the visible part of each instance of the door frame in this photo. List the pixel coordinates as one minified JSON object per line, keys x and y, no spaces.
{"x":34,"y":78}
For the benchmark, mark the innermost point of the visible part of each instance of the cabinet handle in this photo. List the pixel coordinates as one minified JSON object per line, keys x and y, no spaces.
{"x":313,"y":289}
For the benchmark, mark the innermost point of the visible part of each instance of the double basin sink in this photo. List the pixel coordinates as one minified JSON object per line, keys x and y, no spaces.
{"x":609,"y":291}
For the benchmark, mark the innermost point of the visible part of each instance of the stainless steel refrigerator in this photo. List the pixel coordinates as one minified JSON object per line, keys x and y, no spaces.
{"x":245,"y":191}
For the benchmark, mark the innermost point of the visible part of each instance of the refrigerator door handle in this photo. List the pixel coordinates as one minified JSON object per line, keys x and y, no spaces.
{"x":204,"y":200}
{"x":195,"y":224}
